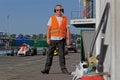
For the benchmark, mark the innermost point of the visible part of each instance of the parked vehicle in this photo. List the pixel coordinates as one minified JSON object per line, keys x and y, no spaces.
{"x":74,"y":45}
{"x":26,"y":50}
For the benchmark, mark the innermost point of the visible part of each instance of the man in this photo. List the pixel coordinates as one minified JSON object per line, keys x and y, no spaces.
{"x":57,"y":34}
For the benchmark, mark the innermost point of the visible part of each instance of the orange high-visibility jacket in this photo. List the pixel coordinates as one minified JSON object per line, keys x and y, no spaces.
{"x":56,"y":29}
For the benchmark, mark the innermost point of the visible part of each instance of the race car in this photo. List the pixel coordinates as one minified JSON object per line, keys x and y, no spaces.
{"x":26,"y":50}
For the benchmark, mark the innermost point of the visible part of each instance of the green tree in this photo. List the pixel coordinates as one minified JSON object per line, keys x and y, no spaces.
{"x":27,"y":36}
{"x":34,"y":36}
{"x":40,"y":36}
{"x":13,"y":36}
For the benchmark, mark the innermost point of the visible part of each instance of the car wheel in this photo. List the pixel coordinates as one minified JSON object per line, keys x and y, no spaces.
{"x":44,"y":52}
{"x":35,"y":51}
{"x":32,"y":52}
{"x":75,"y":51}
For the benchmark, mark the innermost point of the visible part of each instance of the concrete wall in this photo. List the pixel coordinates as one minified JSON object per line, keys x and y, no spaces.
{"x":116,"y":36}
{"x":112,"y":37}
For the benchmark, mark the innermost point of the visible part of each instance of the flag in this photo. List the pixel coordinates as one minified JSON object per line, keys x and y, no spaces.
{"x":84,"y":3}
{"x":84,"y":13}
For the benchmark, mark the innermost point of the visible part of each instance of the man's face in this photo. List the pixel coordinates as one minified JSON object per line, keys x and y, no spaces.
{"x":58,"y":10}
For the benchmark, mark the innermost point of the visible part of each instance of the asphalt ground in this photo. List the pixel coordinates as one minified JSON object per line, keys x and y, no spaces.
{"x":29,"y":67}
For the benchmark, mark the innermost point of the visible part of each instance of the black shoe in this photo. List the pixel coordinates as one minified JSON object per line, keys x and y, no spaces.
{"x":65,"y":71}
{"x":45,"y":71}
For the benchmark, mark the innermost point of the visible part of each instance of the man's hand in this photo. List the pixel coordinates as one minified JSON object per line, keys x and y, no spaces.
{"x":68,"y":36}
{"x":48,"y":35}
{"x":48,"y":41}
{"x":68,"y":42}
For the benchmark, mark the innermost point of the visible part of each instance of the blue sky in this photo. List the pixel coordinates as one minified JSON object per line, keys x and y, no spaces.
{"x":31,"y":16}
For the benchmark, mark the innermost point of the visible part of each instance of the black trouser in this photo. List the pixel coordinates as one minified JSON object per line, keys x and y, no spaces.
{"x":60,"y":45}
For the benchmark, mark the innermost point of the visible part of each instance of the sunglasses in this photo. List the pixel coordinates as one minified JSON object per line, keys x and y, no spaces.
{"x":58,"y":9}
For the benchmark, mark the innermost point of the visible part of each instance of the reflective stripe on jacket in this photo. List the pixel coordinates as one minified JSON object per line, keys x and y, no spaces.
{"x":56,"y":29}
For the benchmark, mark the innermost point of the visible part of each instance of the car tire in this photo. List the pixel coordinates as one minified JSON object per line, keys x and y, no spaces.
{"x":44,"y":51}
{"x":32,"y":52}
{"x":75,"y":51}
{"x":35,"y":51}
